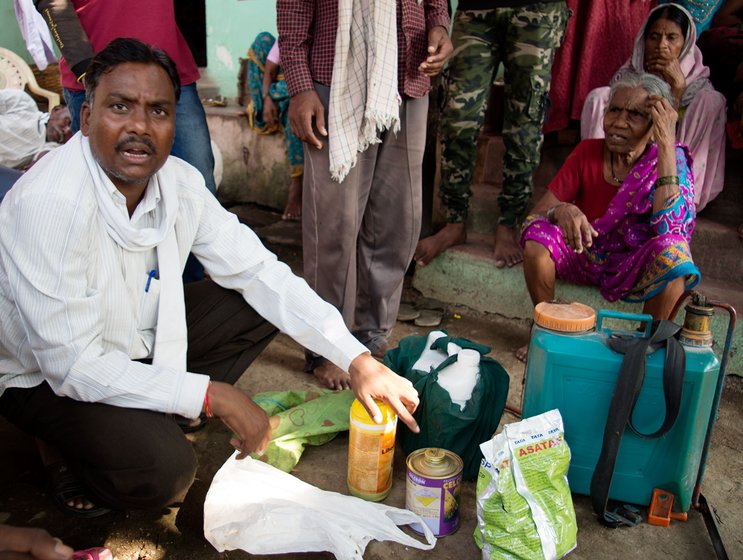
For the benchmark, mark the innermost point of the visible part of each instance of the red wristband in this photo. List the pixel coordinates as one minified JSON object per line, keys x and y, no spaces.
{"x":206,"y":402}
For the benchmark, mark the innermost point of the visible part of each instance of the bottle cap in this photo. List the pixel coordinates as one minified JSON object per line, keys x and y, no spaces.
{"x":468,"y":357}
{"x":565,"y":317}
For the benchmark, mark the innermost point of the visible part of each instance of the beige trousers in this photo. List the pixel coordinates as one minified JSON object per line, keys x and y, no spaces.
{"x":358,"y":236}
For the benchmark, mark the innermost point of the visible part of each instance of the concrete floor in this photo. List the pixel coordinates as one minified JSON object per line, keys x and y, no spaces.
{"x":177,"y":532}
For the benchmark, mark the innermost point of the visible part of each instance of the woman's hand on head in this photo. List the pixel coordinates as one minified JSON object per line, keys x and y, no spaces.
{"x":576,"y":229}
{"x":664,"y":118}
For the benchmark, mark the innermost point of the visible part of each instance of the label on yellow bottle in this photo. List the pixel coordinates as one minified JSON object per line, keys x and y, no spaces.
{"x":371,"y":450}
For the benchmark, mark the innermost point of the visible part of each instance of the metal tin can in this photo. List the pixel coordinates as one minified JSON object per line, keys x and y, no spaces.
{"x":432,"y":490}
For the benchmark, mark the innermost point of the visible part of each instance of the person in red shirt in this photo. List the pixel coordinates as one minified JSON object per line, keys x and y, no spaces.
{"x":361,"y":219}
{"x":620,"y":213}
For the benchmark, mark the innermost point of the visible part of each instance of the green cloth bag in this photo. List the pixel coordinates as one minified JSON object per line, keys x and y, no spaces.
{"x":442,"y":423}
{"x":304,"y":418}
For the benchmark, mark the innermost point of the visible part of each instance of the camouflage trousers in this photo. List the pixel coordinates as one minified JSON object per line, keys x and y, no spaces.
{"x":524,"y":39}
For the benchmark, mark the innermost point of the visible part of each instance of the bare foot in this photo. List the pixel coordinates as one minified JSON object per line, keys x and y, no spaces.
{"x":293,"y":209}
{"x":522,"y":353}
{"x":432,"y":246}
{"x":507,"y":249}
{"x":332,"y":376}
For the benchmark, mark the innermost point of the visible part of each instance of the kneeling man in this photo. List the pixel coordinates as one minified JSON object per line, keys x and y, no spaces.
{"x":100,"y":343}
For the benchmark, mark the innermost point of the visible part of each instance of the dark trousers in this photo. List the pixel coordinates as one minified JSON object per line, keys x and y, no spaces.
{"x":138,"y":459}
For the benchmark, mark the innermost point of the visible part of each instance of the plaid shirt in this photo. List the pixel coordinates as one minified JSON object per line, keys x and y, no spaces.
{"x":307,"y":30}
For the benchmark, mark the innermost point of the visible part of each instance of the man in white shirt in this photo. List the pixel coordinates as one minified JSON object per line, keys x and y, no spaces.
{"x":27,"y":133}
{"x":93,"y":324}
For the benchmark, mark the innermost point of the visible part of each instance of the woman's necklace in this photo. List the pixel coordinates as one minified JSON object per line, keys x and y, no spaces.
{"x":614,"y":177}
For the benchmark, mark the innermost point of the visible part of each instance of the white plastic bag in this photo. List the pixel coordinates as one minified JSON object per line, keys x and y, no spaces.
{"x":257,"y":508}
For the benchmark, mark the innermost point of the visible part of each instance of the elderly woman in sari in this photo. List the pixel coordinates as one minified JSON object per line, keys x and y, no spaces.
{"x":620,"y":212}
{"x":665,"y":46}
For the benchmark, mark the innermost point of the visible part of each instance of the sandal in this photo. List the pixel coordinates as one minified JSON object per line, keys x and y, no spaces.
{"x":218,"y":101}
{"x":407,"y":312}
{"x":431,"y":312}
{"x":67,"y":487}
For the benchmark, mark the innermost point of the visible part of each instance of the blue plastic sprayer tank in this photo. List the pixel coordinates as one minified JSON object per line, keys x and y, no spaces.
{"x":576,"y":372}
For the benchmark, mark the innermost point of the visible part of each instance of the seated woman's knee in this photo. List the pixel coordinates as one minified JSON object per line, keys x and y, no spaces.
{"x":535,"y":251}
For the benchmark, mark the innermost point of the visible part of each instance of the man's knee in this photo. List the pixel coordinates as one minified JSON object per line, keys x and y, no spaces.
{"x":159,"y":473}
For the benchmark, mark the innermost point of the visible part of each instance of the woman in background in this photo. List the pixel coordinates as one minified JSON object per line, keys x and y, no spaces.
{"x":666,"y":47}
{"x":268,"y":112}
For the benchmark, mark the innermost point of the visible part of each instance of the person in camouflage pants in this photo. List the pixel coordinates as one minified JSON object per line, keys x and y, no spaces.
{"x":524,"y":38}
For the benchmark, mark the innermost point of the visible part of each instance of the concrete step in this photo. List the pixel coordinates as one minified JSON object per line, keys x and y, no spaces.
{"x":467,"y":275}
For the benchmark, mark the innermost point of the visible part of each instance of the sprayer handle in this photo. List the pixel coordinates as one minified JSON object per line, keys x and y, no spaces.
{"x":642,"y":317}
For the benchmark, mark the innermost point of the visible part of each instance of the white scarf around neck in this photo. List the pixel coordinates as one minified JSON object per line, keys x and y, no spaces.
{"x":171,"y":340}
{"x":363,"y":90}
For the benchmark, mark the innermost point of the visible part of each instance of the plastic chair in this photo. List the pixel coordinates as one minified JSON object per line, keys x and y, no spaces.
{"x":15,"y":73}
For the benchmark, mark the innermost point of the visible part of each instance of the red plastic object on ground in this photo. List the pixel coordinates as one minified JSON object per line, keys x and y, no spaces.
{"x":661,"y":511}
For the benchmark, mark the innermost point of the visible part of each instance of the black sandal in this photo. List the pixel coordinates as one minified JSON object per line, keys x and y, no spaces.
{"x":66,"y":487}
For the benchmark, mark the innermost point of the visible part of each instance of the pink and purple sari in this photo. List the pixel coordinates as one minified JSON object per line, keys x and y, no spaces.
{"x":637,"y":253}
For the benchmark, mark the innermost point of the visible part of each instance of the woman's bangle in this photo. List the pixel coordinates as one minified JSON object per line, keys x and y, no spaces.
{"x":667,"y":180}
{"x":208,"y":410}
{"x":551,"y":212}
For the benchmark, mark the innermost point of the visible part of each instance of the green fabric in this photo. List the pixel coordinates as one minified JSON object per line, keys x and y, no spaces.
{"x":305,"y":418}
{"x":442,"y":423}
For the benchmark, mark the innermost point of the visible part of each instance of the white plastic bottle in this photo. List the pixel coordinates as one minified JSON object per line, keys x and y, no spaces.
{"x":459,"y":379}
{"x":430,"y":358}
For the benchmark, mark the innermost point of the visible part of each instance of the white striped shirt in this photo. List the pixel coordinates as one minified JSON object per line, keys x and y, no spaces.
{"x":73,"y":305}
{"x":22,"y":128}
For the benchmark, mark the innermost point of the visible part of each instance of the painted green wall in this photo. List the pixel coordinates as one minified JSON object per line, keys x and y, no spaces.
{"x":10,"y":35}
{"x":231,"y":26}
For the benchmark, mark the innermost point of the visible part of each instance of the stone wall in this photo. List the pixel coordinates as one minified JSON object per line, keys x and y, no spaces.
{"x":256,"y":168}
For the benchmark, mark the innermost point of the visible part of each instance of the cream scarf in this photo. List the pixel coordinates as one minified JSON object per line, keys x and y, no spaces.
{"x":363,"y":91}
{"x":171,"y":340}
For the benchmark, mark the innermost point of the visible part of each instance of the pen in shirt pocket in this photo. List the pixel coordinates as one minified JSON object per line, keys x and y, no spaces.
{"x":150,"y":276}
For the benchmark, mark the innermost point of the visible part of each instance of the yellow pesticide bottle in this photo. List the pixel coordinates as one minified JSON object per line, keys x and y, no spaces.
{"x":371,"y":449}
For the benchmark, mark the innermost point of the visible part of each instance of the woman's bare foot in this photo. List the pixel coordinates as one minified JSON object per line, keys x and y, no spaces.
{"x":507,"y":249}
{"x":293,"y":208}
{"x":332,"y":376}
{"x":522,"y":353}
{"x":431,"y":247}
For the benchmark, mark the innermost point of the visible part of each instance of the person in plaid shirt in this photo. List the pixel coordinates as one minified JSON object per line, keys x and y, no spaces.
{"x":359,"y":234}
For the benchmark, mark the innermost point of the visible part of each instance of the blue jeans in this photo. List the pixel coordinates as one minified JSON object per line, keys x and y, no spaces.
{"x":8,"y":177}
{"x":192,"y":143}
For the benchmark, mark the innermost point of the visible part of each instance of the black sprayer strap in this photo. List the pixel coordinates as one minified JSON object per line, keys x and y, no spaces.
{"x":626,"y":392}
